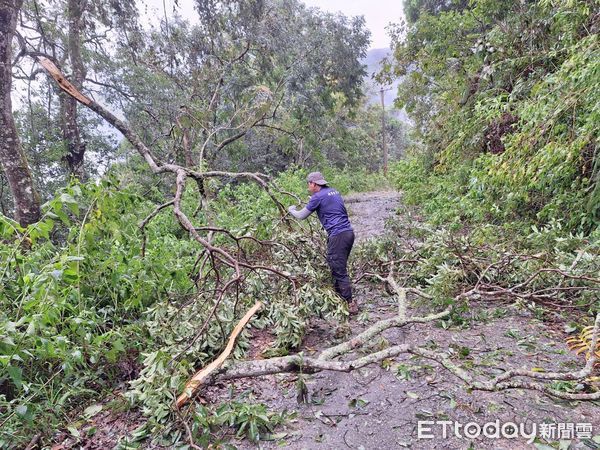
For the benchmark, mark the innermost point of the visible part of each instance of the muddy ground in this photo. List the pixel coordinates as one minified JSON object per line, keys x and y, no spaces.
{"x":369,"y":210}
{"x":380,"y":406}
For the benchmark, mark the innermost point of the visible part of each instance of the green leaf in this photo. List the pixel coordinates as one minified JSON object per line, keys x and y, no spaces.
{"x":92,"y":410}
{"x":74,"y":431}
{"x":67,"y":198}
{"x":564,"y":444}
{"x":21,"y":410}
{"x":16,"y":375}
{"x":358,"y":403}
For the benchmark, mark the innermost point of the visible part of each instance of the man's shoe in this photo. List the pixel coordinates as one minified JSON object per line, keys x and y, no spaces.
{"x":352,"y":308}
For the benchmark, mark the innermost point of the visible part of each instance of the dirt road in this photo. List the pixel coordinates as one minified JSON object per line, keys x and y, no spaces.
{"x":381,"y":407}
{"x":369,"y":210}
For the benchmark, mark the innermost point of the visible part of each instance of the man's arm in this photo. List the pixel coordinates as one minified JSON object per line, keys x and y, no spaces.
{"x":302,"y":214}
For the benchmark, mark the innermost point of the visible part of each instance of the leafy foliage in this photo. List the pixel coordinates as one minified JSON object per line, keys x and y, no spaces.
{"x":505,"y":101}
{"x":80,"y":301}
{"x":269,"y":86}
{"x":504,"y":96}
{"x":503,"y":165}
{"x":248,"y":419}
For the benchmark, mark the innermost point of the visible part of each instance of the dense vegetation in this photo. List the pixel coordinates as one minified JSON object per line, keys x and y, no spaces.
{"x":504,"y":98}
{"x":106,"y":290}
{"x":87,"y":298}
{"x":505,"y":101}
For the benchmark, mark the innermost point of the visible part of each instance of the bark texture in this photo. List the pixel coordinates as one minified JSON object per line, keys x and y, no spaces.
{"x":68,"y":105}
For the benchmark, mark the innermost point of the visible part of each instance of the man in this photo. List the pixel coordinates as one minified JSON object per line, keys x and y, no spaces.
{"x":329,"y":205}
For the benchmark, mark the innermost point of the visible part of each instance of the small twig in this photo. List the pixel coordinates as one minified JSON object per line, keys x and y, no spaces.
{"x":33,"y":443}
{"x":143,"y":223}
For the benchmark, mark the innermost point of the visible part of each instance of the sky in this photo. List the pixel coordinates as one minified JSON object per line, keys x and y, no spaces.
{"x":378,"y":13}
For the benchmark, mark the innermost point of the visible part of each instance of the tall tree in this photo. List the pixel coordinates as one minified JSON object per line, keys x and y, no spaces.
{"x":77,"y":35}
{"x":68,"y":105}
{"x":247,"y":86}
{"x":12,"y":157}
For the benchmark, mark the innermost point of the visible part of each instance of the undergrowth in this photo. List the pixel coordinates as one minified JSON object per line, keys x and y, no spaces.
{"x":83,"y":309}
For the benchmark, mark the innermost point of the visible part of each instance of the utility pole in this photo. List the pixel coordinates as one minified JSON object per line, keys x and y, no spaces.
{"x":385,"y":153}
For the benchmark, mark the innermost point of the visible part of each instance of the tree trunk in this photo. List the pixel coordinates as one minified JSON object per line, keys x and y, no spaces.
{"x":68,"y":105}
{"x":12,"y":157}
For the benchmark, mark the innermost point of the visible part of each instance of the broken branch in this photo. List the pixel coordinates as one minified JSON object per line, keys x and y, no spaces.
{"x":196,"y":381}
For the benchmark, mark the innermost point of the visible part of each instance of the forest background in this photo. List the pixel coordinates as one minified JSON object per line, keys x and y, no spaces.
{"x":127,"y":262}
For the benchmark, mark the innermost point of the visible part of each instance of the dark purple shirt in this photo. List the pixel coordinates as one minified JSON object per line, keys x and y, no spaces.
{"x":331,"y":210}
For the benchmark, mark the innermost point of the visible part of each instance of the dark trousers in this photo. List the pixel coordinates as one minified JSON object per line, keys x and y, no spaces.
{"x":338,"y":250}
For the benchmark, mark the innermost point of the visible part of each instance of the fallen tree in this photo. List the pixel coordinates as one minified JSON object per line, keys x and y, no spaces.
{"x":229,"y":268}
{"x":511,"y":379}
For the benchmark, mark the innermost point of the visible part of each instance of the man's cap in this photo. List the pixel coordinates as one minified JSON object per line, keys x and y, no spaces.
{"x":317,"y":178}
